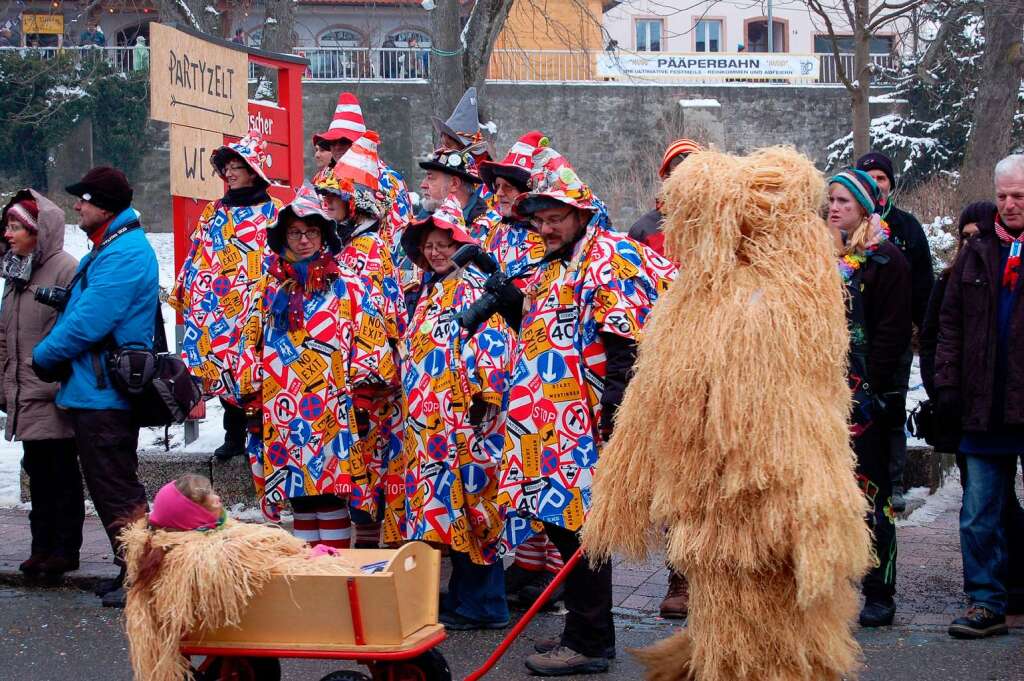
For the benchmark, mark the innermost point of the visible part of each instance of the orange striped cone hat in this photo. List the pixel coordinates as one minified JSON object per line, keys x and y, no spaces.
{"x":347,"y":123}
{"x":359,"y":163}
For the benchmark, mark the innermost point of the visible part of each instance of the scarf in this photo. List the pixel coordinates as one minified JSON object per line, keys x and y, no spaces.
{"x":1012,"y":271}
{"x":299,"y":278}
{"x":851,"y":262}
{"x":246,"y":196}
{"x":16,"y":269}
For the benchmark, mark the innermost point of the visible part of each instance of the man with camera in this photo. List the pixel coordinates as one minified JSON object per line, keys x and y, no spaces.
{"x":586,"y":304}
{"x":110,"y":303}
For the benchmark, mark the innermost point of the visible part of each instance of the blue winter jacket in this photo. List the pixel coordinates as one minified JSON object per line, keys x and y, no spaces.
{"x":120,"y":299}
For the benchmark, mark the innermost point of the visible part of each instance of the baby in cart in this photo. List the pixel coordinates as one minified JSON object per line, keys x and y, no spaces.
{"x":191,"y":567}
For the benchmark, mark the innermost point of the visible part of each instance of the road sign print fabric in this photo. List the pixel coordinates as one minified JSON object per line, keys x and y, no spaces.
{"x":307,"y":377}
{"x":552,"y":430}
{"x":218,"y":293}
{"x":453,"y":459}
{"x":368,"y":255}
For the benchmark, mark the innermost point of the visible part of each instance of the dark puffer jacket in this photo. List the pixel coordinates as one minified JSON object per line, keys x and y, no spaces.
{"x":966,"y":356}
{"x":908,"y":235}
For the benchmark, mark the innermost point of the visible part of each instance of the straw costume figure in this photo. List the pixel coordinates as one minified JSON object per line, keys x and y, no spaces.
{"x":734,"y":435}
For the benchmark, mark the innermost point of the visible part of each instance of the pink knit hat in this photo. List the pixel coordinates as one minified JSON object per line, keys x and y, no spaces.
{"x":172,"y":510}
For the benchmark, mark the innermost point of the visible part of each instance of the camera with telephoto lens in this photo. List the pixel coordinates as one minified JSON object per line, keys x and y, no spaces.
{"x":500,"y":294}
{"x":54,"y":296}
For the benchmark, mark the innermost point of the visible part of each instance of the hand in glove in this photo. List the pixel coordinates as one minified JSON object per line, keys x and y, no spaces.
{"x":57,"y":374}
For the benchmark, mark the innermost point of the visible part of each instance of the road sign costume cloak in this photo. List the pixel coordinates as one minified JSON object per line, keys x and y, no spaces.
{"x":309,"y":371}
{"x":456,"y":394}
{"x":366,"y":250}
{"x":217,"y":290}
{"x":605,"y":287}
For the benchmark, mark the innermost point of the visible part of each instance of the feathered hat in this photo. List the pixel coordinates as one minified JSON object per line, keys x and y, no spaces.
{"x":459,"y":163}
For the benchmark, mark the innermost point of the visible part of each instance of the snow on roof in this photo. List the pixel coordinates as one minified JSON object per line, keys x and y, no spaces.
{"x":699,"y":103}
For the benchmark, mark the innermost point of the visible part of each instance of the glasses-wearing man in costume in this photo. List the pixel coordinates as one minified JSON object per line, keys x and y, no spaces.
{"x":586,"y":304}
{"x":516,"y":247}
{"x":352,"y":196}
{"x":455,"y":430}
{"x":217,"y":288}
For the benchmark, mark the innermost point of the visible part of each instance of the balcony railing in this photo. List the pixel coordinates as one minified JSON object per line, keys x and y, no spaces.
{"x":334,"y":64}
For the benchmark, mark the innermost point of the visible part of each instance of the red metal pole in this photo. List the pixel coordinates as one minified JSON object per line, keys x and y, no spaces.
{"x":526,"y":618}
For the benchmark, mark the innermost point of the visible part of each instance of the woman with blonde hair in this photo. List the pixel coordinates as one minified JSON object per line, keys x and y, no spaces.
{"x":877,"y":281}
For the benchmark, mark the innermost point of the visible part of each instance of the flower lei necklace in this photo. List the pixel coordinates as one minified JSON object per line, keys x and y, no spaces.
{"x":851,"y":262}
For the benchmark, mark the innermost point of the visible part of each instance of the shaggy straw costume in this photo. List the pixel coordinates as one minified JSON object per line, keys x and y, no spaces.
{"x":206,"y":579}
{"x":733,"y":432}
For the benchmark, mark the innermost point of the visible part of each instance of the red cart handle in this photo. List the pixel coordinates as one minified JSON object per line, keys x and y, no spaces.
{"x":526,"y":618}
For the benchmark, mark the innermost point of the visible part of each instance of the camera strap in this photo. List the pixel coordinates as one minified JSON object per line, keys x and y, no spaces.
{"x":119,"y":232}
{"x":81,"y":275}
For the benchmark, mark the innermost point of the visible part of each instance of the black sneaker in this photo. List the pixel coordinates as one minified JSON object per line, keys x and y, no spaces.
{"x":105,"y":586}
{"x":899,"y":502}
{"x":979,"y":622}
{"x":229,"y":450}
{"x":532,"y":591}
{"x":516,"y":577}
{"x":456,"y":622}
{"x":877,"y":612}
{"x":114,"y":599}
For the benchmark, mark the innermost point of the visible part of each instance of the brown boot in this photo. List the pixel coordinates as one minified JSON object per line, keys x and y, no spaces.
{"x":677,"y":601}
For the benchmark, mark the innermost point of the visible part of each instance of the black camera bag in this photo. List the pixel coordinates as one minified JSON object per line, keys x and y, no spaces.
{"x":156,"y":383}
{"x":941,"y":434}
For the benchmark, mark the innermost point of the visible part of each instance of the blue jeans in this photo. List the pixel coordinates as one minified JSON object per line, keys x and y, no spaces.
{"x":476,"y":592}
{"x":983,"y":537}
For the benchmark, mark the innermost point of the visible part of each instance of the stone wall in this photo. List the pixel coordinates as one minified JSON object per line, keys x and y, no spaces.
{"x":613,"y":134}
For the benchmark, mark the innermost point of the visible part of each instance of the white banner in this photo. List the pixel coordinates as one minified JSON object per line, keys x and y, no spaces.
{"x":708,"y":65}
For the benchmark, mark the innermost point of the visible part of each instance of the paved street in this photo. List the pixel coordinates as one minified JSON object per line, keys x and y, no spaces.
{"x":62,"y":633}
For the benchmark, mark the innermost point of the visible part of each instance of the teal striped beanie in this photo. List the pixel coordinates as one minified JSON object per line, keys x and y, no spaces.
{"x":862,"y":186}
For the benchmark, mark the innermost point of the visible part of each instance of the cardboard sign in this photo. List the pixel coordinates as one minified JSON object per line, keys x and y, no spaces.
{"x":48,"y":24}
{"x":197,"y":83}
{"x":192,"y":174}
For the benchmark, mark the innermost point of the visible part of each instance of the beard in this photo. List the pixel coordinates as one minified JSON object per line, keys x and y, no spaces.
{"x":429,"y":205}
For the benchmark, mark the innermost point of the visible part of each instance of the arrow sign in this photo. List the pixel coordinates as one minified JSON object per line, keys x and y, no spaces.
{"x":551,"y":366}
{"x":176,"y":102}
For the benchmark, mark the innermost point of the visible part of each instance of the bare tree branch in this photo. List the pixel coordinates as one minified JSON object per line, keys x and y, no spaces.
{"x":816,"y":7}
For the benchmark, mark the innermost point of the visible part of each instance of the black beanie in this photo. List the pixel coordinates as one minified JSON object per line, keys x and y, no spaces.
{"x":104,"y":187}
{"x":876,"y":160}
{"x":981,"y":213}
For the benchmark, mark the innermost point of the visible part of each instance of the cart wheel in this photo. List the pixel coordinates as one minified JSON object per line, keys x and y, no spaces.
{"x":240,"y":669}
{"x":346,"y":675}
{"x":430,"y":666}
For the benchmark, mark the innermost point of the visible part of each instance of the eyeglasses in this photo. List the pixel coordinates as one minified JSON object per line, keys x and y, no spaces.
{"x":311,"y":235}
{"x":235,"y":167}
{"x":553,"y":221}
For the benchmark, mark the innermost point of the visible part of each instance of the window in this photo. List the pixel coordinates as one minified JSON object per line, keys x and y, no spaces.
{"x":708,"y":35}
{"x":648,"y":35}
{"x":757,"y":36}
{"x":402,"y":38}
{"x":340,"y":37}
{"x":880,"y":44}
